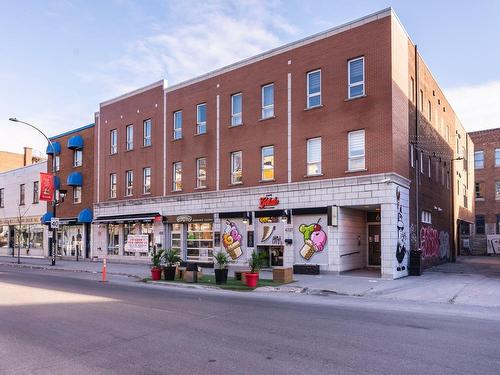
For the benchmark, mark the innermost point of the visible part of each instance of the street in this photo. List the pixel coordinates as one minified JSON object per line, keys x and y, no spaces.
{"x":68,"y":323}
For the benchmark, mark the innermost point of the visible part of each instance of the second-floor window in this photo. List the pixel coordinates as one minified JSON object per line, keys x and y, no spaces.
{"x":146,"y":180}
{"x":36,"y":196}
{"x":314,"y":156}
{"x":201,"y":118}
{"x":146,"y":133}
{"x":2,"y":197}
{"x":497,"y":190}
{"x":77,"y":194}
{"x":478,"y":159}
{"x":236,"y":167}
{"x":113,"y":141}
{"x":130,"y":137}
{"x":426,"y":217}
{"x":480,"y":226}
{"x":356,"y":144}
{"x":22,"y":194}
{"x":237,"y":109}
{"x":178,"y":125}
{"x":77,"y":158}
{"x":58,"y":163}
{"x":267,"y":163}
{"x":497,"y":157}
{"x":129,"y":183}
{"x":201,"y":172}
{"x":480,"y":190}
{"x":112,"y":185}
{"x":268,"y":101}
{"x":356,"y":77}
{"x":177,"y":176}
{"x":314,"y":89}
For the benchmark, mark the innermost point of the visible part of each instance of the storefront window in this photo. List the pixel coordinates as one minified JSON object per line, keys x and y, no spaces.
{"x":147,"y":228}
{"x":200,"y":242}
{"x":4,"y":236}
{"x":71,"y":240}
{"x":113,"y":239}
{"x":36,"y":236}
{"x":128,"y":228}
{"x":176,"y":237}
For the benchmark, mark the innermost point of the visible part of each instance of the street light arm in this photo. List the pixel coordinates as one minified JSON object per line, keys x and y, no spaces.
{"x":13,"y":119}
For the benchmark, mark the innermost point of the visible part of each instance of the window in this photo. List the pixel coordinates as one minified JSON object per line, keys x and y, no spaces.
{"x":77,"y":158}
{"x":146,"y":133}
{"x":113,"y":239}
{"x":480,"y":190}
{"x":58,"y":163}
{"x":129,"y":183}
{"x":421,"y":100}
{"x":177,"y":176}
{"x":426,"y":217}
{"x":314,"y":156}
{"x":199,"y":244}
{"x":236,"y":109}
{"x":178,"y":125}
{"x":113,"y":141}
{"x":176,"y":237}
{"x":236,"y":167}
{"x":497,"y":190}
{"x":429,"y":108}
{"x":356,"y":140}
{"x":201,"y":173}
{"x":429,"y":167}
{"x":268,"y":101}
{"x":2,"y":197}
{"x":267,"y":167}
{"x":478,"y":159}
{"x":36,"y":197}
{"x":146,"y":180}
{"x":356,"y":77}
{"x":314,"y":89}
{"x":412,"y":155}
{"x":421,"y":162}
{"x":412,"y":90}
{"x":130,"y":137}
{"x":448,"y":180}
{"x":497,"y":230}
{"x":480,"y":224}
{"x":497,"y":157}
{"x":201,"y":118}
{"x":77,"y":194}
{"x":112,"y":185}
{"x":22,"y":191}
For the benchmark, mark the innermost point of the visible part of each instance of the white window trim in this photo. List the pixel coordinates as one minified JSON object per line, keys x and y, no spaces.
{"x":144,"y":180}
{"x":426,"y":217}
{"x":113,"y":141}
{"x":412,"y":155}
{"x":360,"y":83}
{"x":129,"y":143}
{"x":174,"y":176}
{"x":262,"y":168}
{"x":112,"y":185}
{"x":350,"y":157}
{"x":482,"y":153}
{"x":233,"y":172}
{"x":429,"y":167}
{"x":310,"y":162}
{"x":269,"y":106}
{"x":201,"y":182}
{"x":175,"y":124}
{"x":497,"y":161}
{"x":77,"y":162}
{"x":198,"y":122}
{"x":315,"y":94}
{"x":129,"y":190}
{"x":238,"y":114}
{"x":146,"y":138}
{"x":422,"y":162}
{"x":75,"y":195}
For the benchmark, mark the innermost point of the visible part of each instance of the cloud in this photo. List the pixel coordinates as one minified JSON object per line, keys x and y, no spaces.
{"x":203,"y":36}
{"x":476,"y":105}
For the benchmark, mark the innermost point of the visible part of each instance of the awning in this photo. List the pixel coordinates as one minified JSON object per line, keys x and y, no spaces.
{"x":85,"y":216}
{"x":45,"y":219}
{"x":57,"y":148}
{"x":146,"y":217}
{"x":74,"y":179}
{"x":75,"y":142}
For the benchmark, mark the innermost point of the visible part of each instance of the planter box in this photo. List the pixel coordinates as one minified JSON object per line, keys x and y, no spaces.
{"x":283,"y":274}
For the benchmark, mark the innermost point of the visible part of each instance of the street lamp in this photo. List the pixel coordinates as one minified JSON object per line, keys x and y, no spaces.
{"x":54,"y":203}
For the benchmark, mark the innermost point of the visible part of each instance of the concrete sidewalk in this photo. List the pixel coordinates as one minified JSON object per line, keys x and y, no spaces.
{"x":470,"y":281}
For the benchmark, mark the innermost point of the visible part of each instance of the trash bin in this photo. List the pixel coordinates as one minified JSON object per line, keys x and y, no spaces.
{"x":415,"y":267}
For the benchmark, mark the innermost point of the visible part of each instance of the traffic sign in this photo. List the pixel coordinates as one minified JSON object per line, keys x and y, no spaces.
{"x":54,"y":223}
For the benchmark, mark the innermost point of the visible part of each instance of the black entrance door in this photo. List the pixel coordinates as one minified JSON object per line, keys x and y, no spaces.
{"x":374,"y":248}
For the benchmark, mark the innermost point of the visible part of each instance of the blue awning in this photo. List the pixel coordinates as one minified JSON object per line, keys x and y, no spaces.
{"x":85,"y":216}
{"x":75,"y":142}
{"x":57,"y":183}
{"x":57,"y":147}
{"x":45,"y":219}
{"x":75,"y":179}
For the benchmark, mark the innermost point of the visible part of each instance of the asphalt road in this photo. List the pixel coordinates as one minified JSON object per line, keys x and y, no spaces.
{"x":64,"y":323}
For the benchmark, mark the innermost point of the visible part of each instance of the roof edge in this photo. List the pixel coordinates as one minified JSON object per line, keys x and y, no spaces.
{"x":72,"y":131}
{"x":162,"y":83}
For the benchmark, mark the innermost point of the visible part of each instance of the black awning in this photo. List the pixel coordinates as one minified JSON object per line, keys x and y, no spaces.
{"x":232,"y":215}
{"x":144,"y":217}
{"x":310,"y":211}
{"x":270,"y":213}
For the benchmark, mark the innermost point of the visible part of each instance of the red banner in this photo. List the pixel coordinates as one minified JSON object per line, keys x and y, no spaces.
{"x":46,"y":186}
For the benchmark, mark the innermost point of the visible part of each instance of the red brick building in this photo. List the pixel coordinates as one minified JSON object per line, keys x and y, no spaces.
{"x":310,"y":153}
{"x":487,"y":189}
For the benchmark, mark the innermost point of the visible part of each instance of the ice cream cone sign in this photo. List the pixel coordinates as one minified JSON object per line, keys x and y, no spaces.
{"x":314,"y":239}
{"x":231,"y":240}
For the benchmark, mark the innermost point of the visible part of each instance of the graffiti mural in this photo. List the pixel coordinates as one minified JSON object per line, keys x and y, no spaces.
{"x":231,"y":239}
{"x":314,"y":239}
{"x":401,"y":247}
{"x":444,"y":244}
{"x":434,"y":244}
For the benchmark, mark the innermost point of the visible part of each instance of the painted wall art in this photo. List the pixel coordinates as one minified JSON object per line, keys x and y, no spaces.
{"x":231,"y":239}
{"x":434,"y":243}
{"x":401,"y":247}
{"x":314,"y":239}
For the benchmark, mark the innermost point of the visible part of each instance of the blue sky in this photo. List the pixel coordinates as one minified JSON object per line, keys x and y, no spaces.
{"x":61,"y":58}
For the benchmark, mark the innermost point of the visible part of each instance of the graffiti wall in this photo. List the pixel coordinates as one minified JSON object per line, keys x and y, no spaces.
{"x":434,"y":244}
{"x":493,"y":244}
{"x":310,"y":239}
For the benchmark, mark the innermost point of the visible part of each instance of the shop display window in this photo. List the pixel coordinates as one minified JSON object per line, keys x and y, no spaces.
{"x":200,"y":242}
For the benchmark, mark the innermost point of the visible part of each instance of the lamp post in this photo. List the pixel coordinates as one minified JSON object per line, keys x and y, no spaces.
{"x":54,"y":202}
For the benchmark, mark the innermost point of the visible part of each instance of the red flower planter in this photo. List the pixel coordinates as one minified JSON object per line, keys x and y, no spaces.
{"x":155,"y":273}
{"x":251,"y":279}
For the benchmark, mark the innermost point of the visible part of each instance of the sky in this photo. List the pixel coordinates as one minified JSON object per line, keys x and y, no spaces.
{"x":61,"y":58}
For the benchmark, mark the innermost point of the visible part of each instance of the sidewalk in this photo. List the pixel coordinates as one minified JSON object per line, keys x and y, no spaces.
{"x":470,"y":281}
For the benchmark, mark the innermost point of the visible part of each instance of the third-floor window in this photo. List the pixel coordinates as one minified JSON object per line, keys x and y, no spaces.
{"x":36,"y":197}
{"x":356,"y":144}
{"x":77,"y":158}
{"x":236,"y":109}
{"x":146,"y":130}
{"x":356,"y":77}
{"x":201,"y":118}
{"x":146,"y":180}
{"x":479,"y":159}
{"x":130,"y":137}
{"x":268,"y":101}
{"x":314,"y":89}
{"x":236,"y":167}
{"x":201,"y":172}
{"x":112,"y":185}
{"x":497,"y":157}
{"x":177,"y":176}
{"x":22,"y":194}
{"x":177,"y":125}
{"x":113,"y":141}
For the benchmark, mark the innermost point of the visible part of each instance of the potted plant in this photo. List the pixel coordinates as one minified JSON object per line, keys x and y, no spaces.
{"x":156,"y":265}
{"x":222,"y":261}
{"x":171,"y":258}
{"x":256,"y":262}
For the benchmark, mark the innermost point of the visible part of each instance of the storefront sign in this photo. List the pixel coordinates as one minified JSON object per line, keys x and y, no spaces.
{"x":184,"y":219}
{"x":138,"y":243}
{"x":46,"y":186}
{"x":268,"y":202}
